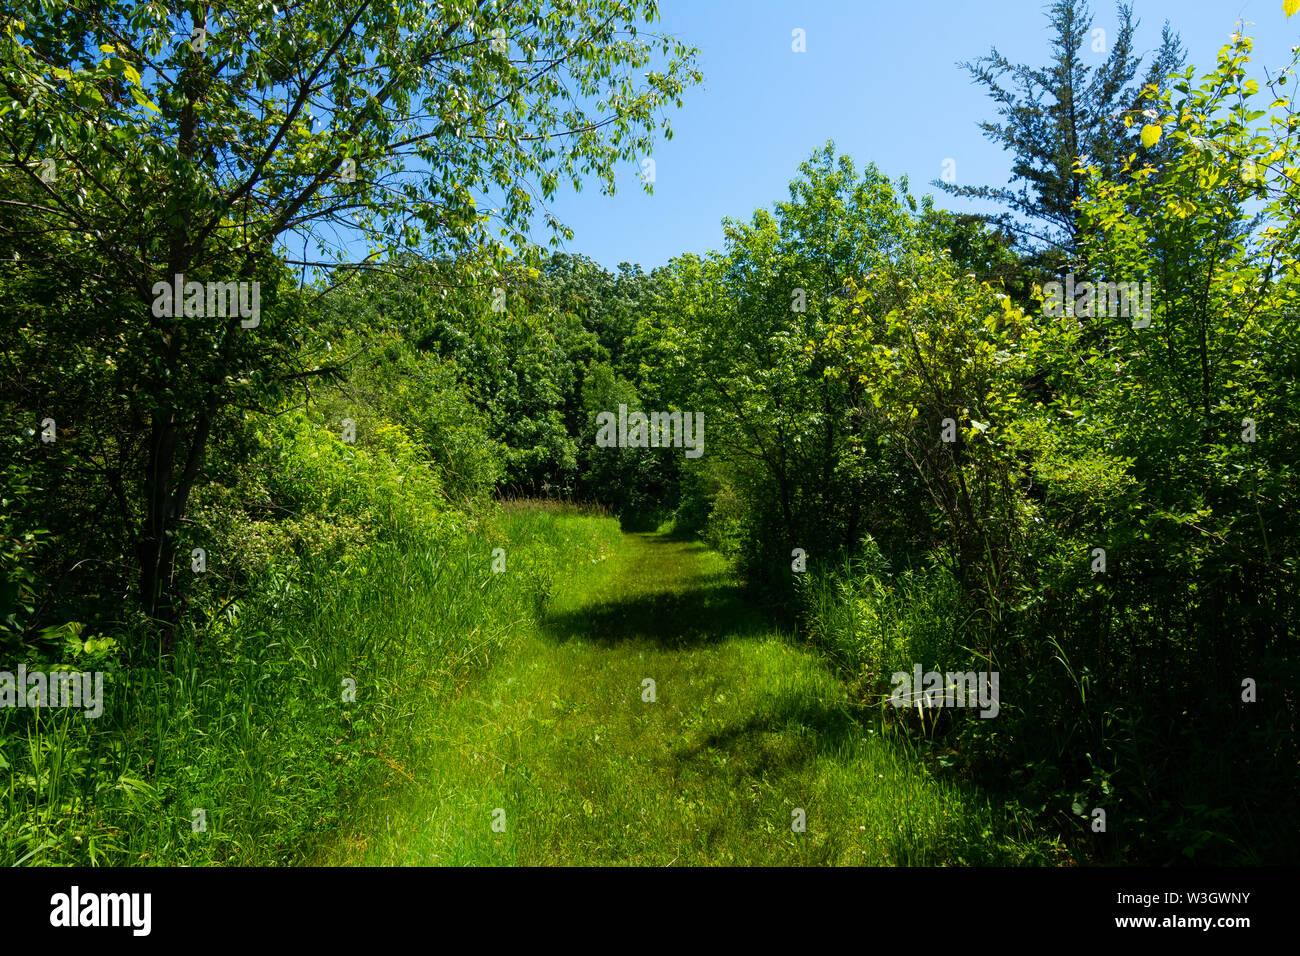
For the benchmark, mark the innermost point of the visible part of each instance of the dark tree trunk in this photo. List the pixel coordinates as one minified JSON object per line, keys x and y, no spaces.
{"x":156,"y":549}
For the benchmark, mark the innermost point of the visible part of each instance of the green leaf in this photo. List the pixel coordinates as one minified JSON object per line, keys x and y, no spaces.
{"x":139,"y":97}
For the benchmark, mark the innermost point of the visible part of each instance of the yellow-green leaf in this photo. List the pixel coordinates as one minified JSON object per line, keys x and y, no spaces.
{"x":143,"y":100}
{"x":1151,"y":133}
{"x":1290,"y":6}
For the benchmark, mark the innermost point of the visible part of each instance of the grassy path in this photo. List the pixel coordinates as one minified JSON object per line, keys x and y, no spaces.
{"x":553,"y":755}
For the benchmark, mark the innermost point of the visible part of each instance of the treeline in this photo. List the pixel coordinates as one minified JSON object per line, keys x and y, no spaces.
{"x":914,"y":444}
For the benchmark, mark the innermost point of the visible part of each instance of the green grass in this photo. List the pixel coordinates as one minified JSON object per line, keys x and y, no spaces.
{"x":247,"y":721}
{"x":556,"y":745}
{"x":478,"y":691}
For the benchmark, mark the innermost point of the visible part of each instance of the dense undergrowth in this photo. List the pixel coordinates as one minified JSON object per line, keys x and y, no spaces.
{"x":367,"y":596}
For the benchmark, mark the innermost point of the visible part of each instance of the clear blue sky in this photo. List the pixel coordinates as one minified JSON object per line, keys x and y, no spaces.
{"x":879,"y":77}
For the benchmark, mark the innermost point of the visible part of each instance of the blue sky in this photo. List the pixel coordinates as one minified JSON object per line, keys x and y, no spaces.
{"x":879,"y":78}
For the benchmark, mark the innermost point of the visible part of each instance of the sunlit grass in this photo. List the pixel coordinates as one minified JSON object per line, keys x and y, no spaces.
{"x":556,"y":745}
{"x":477,"y":691}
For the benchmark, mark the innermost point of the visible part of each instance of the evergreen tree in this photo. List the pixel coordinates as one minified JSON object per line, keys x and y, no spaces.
{"x":1056,"y":114}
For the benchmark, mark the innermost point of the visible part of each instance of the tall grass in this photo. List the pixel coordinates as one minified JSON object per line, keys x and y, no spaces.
{"x":240,"y":747}
{"x":872,"y":625}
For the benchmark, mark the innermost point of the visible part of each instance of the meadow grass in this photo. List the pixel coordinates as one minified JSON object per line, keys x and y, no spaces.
{"x":240,"y":748}
{"x":555,"y":756}
{"x":511,"y":696}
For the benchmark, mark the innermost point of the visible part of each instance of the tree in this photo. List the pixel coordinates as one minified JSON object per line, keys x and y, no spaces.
{"x":758,"y":356}
{"x":1054,"y":115}
{"x":198,"y":141}
{"x":1201,"y":400}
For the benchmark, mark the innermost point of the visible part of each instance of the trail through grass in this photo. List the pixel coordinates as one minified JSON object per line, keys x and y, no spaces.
{"x":553,"y":754}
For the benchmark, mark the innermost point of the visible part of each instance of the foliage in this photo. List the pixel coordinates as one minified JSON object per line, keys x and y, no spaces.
{"x":1052,"y":116}
{"x":200,"y":157}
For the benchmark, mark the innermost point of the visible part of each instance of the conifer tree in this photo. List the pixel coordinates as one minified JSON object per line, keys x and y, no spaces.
{"x":1053,"y":115}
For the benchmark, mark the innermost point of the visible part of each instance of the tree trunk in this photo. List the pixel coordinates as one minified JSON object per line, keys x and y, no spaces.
{"x":155,"y":549}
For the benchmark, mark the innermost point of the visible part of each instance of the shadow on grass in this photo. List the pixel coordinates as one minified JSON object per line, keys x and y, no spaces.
{"x":688,"y":611}
{"x":693,"y":543}
{"x":781,"y":738}
{"x":701,"y":615}
{"x":679,"y":535}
